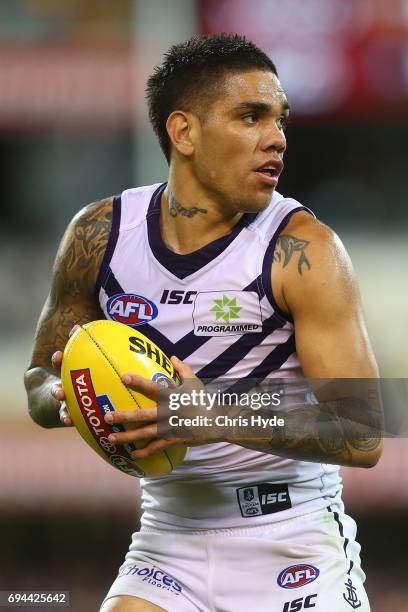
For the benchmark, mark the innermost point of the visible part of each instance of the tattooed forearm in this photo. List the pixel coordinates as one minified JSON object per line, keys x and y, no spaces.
{"x":343,"y":432}
{"x":289,"y":246}
{"x":175,"y":208}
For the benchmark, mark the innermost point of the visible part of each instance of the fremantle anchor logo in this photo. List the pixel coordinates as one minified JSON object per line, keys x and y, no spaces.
{"x":351,"y":598}
{"x":249,"y":494}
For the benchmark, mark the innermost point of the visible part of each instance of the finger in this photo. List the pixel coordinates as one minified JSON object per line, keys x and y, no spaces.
{"x":153,"y":447}
{"x":58,"y":392}
{"x":133,"y":435}
{"x":56,"y":360}
{"x":182,"y":369}
{"x":142,"y":385}
{"x":74,"y":329}
{"x":64,"y":416}
{"x":140,"y":415}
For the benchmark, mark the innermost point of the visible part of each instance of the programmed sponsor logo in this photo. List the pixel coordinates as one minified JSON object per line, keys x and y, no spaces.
{"x":152,"y":575}
{"x":297,"y":576}
{"x":227,"y":313}
{"x":131,"y":309}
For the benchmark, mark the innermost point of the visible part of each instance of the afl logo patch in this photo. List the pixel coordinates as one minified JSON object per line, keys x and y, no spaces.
{"x":131,"y":309}
{"x":296,"y":576}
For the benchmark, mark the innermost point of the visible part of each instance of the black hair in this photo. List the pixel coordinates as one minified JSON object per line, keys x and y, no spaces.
{"x":191,"y":75}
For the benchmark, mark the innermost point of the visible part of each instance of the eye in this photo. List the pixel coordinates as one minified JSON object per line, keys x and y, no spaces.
{"x":283,"y":122}
{"x":251,"y":118}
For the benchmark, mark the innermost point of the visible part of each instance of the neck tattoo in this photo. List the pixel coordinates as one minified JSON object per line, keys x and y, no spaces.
{"x":175,"y":208}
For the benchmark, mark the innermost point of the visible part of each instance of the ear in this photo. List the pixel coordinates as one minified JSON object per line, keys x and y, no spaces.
{"x":182,"y":130}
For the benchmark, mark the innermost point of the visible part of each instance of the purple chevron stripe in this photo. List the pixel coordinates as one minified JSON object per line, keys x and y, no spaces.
{"x":271,"y":363}
{"x":237,"y":351}
{"x":275,"y":359}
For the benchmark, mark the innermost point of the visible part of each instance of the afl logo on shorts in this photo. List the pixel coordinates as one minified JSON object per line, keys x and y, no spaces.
{"x":296,"y":576}
{"x":131,"y":309}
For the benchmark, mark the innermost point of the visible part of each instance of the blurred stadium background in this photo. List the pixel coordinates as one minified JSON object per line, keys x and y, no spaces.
{"x":73,"y":129}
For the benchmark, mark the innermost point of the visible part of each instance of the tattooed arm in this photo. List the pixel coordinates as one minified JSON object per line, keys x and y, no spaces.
{"x":314,"y":282}
{"x":71,"y":300}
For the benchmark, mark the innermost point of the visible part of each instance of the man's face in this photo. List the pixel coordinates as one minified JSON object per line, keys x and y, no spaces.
{"x":240,"y":145}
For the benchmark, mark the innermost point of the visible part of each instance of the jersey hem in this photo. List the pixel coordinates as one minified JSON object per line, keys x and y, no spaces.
{"x":282,"y":518}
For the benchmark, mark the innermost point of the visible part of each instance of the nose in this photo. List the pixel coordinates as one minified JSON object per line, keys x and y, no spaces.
{"x":273,"y":139}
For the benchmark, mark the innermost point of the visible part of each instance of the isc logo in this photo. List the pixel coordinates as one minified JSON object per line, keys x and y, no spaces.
{"x":300,"y":604}
{"x":177,"y":297}
{"x":297,"y":575}
{"x":272,"y":498}
{"x":131,"y":309}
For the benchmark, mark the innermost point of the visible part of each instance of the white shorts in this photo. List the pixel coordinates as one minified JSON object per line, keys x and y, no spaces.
{"x":308,"y":562}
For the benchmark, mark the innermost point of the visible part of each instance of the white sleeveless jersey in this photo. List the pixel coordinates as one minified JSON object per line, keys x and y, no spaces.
{"x":171,"y":298}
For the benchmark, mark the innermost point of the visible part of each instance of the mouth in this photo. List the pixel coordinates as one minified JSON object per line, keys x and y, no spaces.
{"x":270,"y":171}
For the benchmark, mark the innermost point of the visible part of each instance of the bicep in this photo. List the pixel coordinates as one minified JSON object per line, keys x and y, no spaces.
{"x":72,"y":299}
{"x":331,"y":335}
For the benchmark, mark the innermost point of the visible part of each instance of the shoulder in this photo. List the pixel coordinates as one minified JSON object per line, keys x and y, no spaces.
{"x":310,"y":259}
{"x":91,"y":225}
{"x":307,"y":235}
{"x":84,"y":242}
{"x":96,"y":212}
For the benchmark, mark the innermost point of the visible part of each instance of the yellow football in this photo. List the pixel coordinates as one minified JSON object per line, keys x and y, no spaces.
{"x":95,"y":358}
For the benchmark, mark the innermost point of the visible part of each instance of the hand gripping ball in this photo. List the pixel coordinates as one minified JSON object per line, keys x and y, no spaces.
{"x":95,"y":358}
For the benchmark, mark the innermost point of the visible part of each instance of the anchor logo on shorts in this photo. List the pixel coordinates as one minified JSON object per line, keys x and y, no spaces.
{"x":351,"y":598}
{"x":249,"y":494}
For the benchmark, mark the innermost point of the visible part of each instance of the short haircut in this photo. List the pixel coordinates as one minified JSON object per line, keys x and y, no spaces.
{"x":191,"y":77}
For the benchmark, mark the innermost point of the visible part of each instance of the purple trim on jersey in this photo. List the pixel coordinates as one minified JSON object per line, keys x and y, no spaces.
{"x":257,"y":286}
{"x":267,"y":264}
{"x":182,"y":266}
{"x":111,"y":245}
{"x":271,"y":363}
{"x":341,"y":530}
{"x":111,"y":284}
{"x":237,"y":351}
